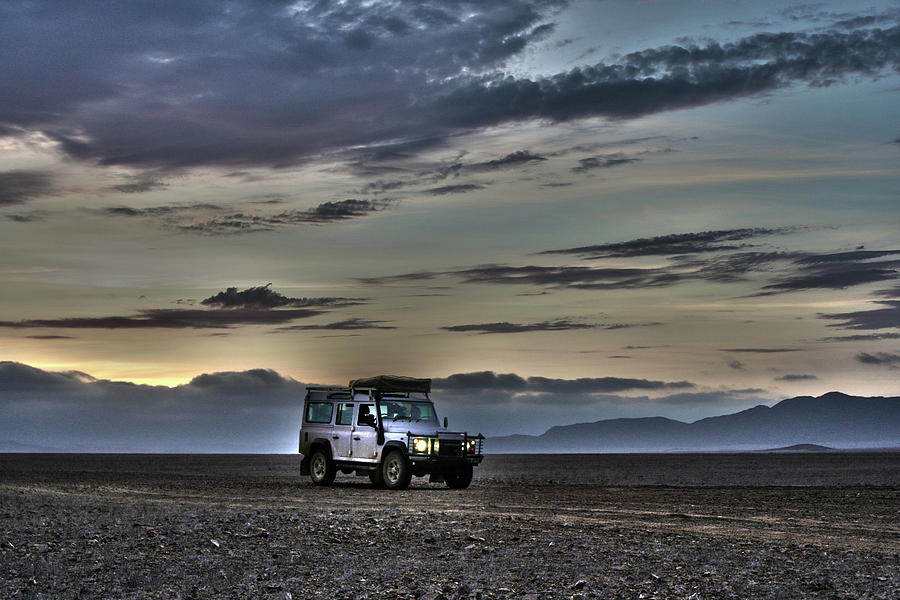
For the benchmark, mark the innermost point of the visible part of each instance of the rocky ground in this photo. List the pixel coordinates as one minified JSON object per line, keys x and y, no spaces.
{"x":248,"y":527}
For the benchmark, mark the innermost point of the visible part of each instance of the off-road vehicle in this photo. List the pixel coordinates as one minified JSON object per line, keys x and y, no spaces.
{"x":384,"y":427}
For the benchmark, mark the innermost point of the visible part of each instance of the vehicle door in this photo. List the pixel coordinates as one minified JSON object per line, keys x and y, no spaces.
{"x":365,"y":433}
{"x":343,"y":430}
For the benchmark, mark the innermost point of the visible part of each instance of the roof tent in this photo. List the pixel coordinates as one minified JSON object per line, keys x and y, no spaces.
{"x":393,"y":383}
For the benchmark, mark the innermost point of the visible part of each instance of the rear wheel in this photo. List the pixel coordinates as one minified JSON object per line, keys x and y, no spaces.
{"x":321,"y":468}
{"x":395,"y":471}
{"x":460,"y":478}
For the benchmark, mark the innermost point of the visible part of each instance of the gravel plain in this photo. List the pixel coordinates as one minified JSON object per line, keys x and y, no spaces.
{"x":594,"y":526}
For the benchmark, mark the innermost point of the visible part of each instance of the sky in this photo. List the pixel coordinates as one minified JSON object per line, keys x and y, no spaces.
{"x":559,"y":211}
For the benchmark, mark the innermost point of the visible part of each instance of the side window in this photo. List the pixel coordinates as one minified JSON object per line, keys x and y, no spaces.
{"x":366,"y":415}
{"x":345,"y":414}
{"x":318,"y":412}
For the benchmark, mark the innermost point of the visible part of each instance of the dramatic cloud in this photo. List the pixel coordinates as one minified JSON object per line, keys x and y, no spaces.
{"x":800,"y":377}
{"x":327,"y":212}
{"x":488,"y":380}
{"x":839,"y":270}
{"x":168,"y":85}
{"x":881,"y":318}
{"x":461,"y":188}
{"x":761,"y":350}
{"x":673,"y":77}
{"x":254,"y":306}
{"x":17,"y":187}
{"x":138,"y":187}
{"x":258,"y":410}
{"x":602,"y":162}
{"x":264,"y":297}
{"x":166,"y":318}
{"x":504,"y":327}
{"x":675,"y":243}
{"x":346,"y":325}
{"x":249,"y":411}
{"x":879,"y":358}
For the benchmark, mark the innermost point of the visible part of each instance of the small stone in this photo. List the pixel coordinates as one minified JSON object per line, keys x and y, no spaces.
{"x":215,"y":543}
{"x":580,"y":584}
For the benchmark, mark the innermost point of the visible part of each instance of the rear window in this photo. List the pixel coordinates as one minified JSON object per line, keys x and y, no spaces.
{"x":345,"y":414}
{"x":318,"y":412}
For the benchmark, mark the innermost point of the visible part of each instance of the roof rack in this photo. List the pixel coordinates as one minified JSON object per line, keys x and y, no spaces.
{"x":393,"y":383}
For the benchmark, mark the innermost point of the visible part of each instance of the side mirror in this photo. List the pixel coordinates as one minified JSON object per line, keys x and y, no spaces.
{"x":445,"y":422}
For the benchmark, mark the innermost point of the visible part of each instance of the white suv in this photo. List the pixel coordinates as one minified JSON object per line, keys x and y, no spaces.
{"x":384,"y":427}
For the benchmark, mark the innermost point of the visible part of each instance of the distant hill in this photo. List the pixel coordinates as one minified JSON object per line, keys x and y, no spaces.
{"x":834,"y":419}
{"x":801,"y":448}
{"x":12,"y":446}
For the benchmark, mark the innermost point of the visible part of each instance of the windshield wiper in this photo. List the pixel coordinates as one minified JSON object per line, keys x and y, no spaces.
{"x":401,"y":417}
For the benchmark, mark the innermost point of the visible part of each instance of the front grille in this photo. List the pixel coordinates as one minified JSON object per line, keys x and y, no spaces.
{"x":450,"y":448}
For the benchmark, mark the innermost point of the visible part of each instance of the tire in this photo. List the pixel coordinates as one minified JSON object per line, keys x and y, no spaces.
{"x":395,"y":471}
{"x":460,"y":478}
{"x":321,"y":468}
{"x":376,"y":477}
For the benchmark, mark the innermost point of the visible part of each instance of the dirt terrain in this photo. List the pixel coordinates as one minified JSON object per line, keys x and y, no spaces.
{"x":601,"y":526}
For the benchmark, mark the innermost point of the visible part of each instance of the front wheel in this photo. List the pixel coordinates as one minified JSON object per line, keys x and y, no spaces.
{"x":395,"y":471}
{"x":321,"y":468}
{"x":460,"y":478}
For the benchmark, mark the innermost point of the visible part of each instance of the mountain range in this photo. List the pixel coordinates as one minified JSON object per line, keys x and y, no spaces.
{"x":834,"y":419}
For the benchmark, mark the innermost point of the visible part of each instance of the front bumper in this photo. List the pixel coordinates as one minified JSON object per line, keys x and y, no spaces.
{"x":445,"y":448}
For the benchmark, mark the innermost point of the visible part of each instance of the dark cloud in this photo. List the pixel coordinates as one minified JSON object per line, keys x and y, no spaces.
{"x":460,"y":188}
{"x":346,"y":325}
{"x":881,"y":318}
{"x":602,"y":162}
{"x":675,"y":243}
{"x":736,"y":364}
{"x":793,"y":377}
{"x":835,"y":275}
{"x":254,"y":306}
{"x":761,"y":350}
{"x":248,"y":411}
{"x":327,"y":212}
{"x":163,"y":84}
{"x":18,"y":377}
{"x":49,"y":337}
{"x":231,"y":382}
{"x":171,"y":85}
{"x":705,"y":256}
{"x":139,"y":186}
{"x":17,"y":187}
{"x":488,"y":380}
{"x":158,"y":211}
{"x":264,"y":297}
{"x":869,"y":337}
{"x":505,"y":327}
{"x":673,"y":77}
{"x":515,"y":159}
{"x":879,"y":358}
{"x":29,"y":217}
{"x":165,"y":318}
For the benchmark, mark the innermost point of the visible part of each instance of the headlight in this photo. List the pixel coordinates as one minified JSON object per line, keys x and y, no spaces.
{"x":420,"y":445}
{"x":471,"y":446}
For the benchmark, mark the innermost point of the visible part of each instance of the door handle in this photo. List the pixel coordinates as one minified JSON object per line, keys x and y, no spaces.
{"x":335,"y":437}
{"x":356,"y":437}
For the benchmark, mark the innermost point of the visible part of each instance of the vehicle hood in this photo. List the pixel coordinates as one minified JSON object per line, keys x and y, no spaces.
{"x":414,"y":427}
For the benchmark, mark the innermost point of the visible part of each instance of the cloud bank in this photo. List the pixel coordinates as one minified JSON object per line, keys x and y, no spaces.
{"x":258,"y":410}
{"x":174,"y":85}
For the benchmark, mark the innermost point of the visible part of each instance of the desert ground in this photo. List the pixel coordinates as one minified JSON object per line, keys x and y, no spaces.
{"x":692,"y":526}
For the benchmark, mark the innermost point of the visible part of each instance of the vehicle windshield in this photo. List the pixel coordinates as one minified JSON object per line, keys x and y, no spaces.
{"x":406,"y":410}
